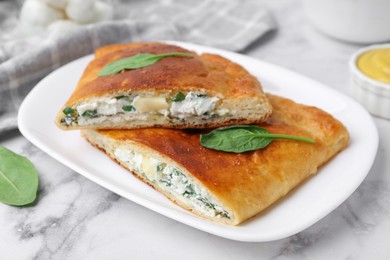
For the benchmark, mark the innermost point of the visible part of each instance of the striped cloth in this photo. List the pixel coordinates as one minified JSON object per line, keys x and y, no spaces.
{"x":229,"y":24}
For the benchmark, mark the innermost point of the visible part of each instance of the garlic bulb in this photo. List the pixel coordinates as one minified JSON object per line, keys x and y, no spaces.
{"x":39,"y":15}
{"x":81,"y":11}
{"x":58,"y":4}
{"x":62,"y":25}
{"x":103,"y":11}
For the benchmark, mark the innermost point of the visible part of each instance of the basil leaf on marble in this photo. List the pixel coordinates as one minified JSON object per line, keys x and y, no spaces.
{"x":18,"y":179}
{"x":137,"y":61}
{"x":243,"y":138}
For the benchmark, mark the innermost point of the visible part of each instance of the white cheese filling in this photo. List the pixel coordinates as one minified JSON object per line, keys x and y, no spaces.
{"x":193,"y":105}
{"x":106,"y":106}
{"x":170,"y":178}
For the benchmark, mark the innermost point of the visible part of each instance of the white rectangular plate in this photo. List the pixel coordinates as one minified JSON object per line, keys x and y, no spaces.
{"x":313,"y":200}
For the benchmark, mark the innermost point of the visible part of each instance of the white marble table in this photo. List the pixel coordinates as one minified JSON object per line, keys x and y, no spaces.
{"x":77,"y":219}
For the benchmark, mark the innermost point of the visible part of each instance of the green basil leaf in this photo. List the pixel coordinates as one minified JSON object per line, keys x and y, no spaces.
{"x":137,"y":61}
{"x":18,"y":179}
{"x":128,"y":108}
{"x":179,"y":97}
{"x":243,"y":138}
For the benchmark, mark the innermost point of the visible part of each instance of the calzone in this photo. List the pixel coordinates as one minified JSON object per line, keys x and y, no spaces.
{"x":227,"y":187}
{"x":199,"y":91}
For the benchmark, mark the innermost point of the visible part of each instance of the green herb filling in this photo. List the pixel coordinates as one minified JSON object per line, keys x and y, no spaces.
{"x":90,"y":113}
{"x":190,"y":191}
{"x":179,"y":97}
{"x":128,"y":108}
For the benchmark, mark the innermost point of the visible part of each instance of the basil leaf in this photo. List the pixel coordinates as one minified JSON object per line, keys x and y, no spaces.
{"x":128,"y":108}
{"x":243,"y":138}
{"x":18,"y":179}
{"x":137,"y":61}
{"x":179,"y":97}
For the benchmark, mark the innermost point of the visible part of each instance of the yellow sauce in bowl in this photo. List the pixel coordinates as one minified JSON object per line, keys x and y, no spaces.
{"x":376,"y":64}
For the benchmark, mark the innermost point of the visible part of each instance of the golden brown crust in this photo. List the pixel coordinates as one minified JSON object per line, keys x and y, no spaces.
{"x":249,"y":182}
{"x":210,"y":72}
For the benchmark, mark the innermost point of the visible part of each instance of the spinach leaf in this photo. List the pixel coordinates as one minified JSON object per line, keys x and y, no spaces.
{"x":18,"y":179}
{"x":243,"y":138}
{"x":128,"y":108}
{"x":90,"y":113}
{"x":190,"y":190}
{"x":70,"y":115}
{"x":159,"y":168}
{"x":179,"y":97}
{"x":137,"y":61}
{"x":68,"y":111}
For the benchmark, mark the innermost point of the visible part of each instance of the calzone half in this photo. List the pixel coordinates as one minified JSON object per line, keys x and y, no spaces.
{"x":220,"y":186}
{"x":175,"y":92}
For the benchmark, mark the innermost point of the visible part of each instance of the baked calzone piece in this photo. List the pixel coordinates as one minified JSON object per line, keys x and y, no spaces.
{"x":194,"y":91}
{"x":220,"y":186}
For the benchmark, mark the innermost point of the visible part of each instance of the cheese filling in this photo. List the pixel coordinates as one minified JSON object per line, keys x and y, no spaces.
{"x":139,"y":107}
{"x":171,"y":179}
{"x":193,"y":104}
